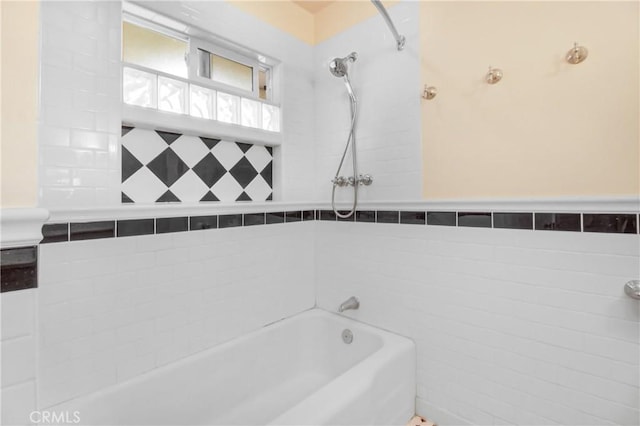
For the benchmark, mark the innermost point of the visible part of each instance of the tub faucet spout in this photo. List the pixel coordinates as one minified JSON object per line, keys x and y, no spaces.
{"x":350,"y":303}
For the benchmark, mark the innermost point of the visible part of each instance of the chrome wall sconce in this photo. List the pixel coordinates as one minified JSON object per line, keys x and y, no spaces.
{"x":577,"y":54}
{"x":493,"y":76}
{"x":429,"y":92}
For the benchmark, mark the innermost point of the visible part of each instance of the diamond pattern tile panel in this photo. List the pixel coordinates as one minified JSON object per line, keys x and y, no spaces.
{"x":170,"y":167}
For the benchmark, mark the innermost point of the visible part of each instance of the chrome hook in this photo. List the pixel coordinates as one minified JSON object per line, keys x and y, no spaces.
{"x":429,"y":92}
{"x":493,"y":76}
{"x":577,"y":54}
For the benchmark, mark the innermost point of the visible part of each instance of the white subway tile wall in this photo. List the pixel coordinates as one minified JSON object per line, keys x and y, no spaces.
{"x":387,"y":84}
{"x":511,"y":326}
{"x":80,"y":103}
{"x":114,"y":308}
{"x":18,"y":348}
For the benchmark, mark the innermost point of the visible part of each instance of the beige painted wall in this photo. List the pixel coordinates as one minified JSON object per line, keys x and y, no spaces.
{"x":310,"y":28}
{"x":282,"y":14}
{"x":343,"y":14}
{"x":548,"y":128}
{"x":19,"y":76}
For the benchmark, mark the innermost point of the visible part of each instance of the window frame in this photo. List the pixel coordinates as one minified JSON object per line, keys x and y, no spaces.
{"x":196,"y":44}
{"x":193,"y":44}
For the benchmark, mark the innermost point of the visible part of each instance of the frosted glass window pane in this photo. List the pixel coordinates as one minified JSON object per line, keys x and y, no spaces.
{"x":202,"y":102}
{"x":225,"y":71}
{"x":139,"y":88}
{"x":172,"y":95}
{"x":228,"y":108}
{"x":155,"y":50}
{"x":270,"y":118}
{"x":249,"y":112}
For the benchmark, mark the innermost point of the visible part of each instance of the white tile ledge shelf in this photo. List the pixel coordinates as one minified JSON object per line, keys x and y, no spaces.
{"x":558,"y":205}
{"x":143,"y":211}
{"x":625,"y":204}
{"x":21,"y":227}
{"x":159,"y":120}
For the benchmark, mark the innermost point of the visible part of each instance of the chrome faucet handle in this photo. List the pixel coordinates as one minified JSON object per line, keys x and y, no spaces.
{"x":339,"y":181}
{"x":366,"y":180}
{"x":632,"y":289}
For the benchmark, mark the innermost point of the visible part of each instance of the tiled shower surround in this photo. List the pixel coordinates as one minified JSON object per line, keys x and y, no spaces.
{"x":162,"y":166}
{"x":522,"y":324}
{"x":511,"y":326}
{"x":113,"y":308}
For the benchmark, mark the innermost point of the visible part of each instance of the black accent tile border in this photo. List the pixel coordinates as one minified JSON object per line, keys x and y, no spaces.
{"x":441,"y":218}
{"x":558,"y":222}
{"x":326,"y":215}
{"x":55,"y":232}
{"x":613,"y":223}
{"x":253,"y":219}
{"x":412,"y":218}
{"x":134,"y":227}
{"x":293,"y":216}
{"x":366,"y":216}
{"x":474,"y":219}
{"x":513,"y":220}
{"x":165,"y":225}
{"x":274,"y":217}
{"x":92,"y":230}
{"x":18,"y":268}
{"x":388,"y":216}
{"x":610,"y":223}
{"x":229,"y":220}
{"x":203,"y":222}
{"x":350,"y":218}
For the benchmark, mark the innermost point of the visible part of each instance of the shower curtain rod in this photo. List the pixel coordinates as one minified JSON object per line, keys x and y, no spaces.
{"x":399,"y":39}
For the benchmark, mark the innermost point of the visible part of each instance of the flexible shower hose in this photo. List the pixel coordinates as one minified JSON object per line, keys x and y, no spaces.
{"x":351,"y":140}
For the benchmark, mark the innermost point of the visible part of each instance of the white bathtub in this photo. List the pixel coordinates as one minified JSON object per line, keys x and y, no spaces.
{"x":294,"y":372}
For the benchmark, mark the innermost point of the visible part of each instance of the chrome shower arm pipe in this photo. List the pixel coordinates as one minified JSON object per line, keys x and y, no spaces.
{"x":400,"y":40}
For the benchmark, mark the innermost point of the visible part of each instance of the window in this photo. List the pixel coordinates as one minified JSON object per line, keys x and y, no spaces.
{"x":225,"y":71}
{"x":153,"y":49}
{"x":167,"y":70}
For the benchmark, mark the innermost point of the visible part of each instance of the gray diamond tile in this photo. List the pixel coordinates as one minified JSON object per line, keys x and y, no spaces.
{"x":168,"y":167}
{"x":243,"y":172}
{"x":209,"y":170}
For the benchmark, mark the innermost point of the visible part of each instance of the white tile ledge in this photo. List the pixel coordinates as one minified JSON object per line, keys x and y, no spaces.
{"x":140,"y":211}
{"x":630,"y":204}
{"x":21,"y":226}
{"x":184,"y":124}
{"x":554,"y":205}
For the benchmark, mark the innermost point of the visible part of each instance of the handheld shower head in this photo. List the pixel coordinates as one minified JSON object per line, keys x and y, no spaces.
{"x":339,"y":67}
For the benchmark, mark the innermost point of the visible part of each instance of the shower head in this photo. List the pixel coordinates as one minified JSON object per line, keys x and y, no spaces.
{"x":339,"y":67}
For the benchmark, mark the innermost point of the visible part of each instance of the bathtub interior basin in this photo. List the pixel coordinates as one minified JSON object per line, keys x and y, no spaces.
{"x":296,"y":371}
